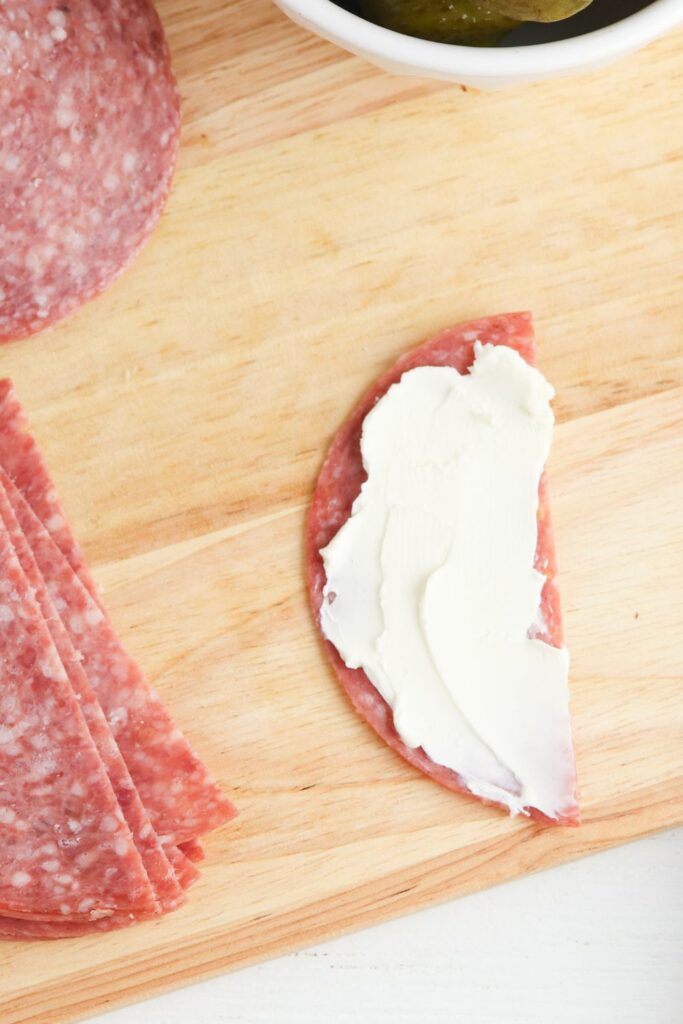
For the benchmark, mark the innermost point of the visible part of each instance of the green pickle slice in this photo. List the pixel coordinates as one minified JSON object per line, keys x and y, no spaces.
{"x":471,"y":22}
{"x":540,"y":10}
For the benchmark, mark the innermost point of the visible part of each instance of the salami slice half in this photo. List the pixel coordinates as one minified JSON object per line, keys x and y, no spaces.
{"x":162,"y":877}
{"x":65,"y":848}
{"x":176,"y":789}
{"x":89,"y":117}
{"x":339,"y":483}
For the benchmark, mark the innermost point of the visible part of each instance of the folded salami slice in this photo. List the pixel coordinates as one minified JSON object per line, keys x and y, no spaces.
{"x":180,"y":797}
{"x":90,"y":123}
{"x":65,"y":848}
{"x":338,"y":486}
{"x":162,"y":877}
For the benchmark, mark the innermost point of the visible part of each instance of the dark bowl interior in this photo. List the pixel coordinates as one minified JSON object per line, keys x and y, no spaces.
{"x":598,"y":15}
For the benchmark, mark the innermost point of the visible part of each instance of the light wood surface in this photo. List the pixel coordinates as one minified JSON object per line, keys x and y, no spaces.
{"x":596,"y":941}
{"x":315,"y":231}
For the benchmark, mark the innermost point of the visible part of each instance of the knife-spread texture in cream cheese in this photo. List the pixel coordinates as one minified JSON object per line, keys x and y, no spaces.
{"x":431,"y":587}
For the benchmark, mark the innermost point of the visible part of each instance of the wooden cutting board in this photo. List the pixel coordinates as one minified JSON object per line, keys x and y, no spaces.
{"x":326,"y":217}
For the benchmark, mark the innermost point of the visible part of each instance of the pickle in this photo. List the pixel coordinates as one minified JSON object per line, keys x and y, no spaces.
{"x":473,"y":22}
{"x":539,"y":10}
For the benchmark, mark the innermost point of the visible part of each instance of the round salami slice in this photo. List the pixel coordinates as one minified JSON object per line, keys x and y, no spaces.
{"x":89,"y":128}
{"x":340,"y":481}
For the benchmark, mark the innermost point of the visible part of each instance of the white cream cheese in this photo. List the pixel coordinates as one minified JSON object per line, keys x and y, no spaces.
{"x":431,"y":587}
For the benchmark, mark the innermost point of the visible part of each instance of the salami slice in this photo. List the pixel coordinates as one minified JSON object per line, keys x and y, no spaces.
{"x":65,"y":848}
{"x":193,"y":850}
{"x":176,"y":789}
{"x":162,"y":877}
{"x":339,"y":483}
{"x":89,"y":129}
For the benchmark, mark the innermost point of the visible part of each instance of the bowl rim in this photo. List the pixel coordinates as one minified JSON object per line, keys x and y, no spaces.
{"x":352,"y":31}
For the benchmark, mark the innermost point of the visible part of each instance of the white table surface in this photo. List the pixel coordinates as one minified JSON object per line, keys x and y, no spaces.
{"x":598,"y":941}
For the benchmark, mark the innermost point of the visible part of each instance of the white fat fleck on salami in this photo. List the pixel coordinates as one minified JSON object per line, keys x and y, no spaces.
{"x":76,"y":623}
{"x":42,"y":791}
{"x":57,"y":17}
{"x":118,"y":717}
{"x":51,"y":667}
{"x":85,"y":860}
{"x":40,"y":741}
{"x":99,"y":915}
{"x":65,"y":114}
{"x":9,"y":734}
{"x":93,"y":616}
{"x":89,"y":126}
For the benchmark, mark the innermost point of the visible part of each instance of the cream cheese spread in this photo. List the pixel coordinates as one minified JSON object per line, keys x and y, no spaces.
{"x":431,"y":587}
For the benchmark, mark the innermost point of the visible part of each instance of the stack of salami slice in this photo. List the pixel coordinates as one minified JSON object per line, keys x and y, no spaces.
{"x":102,"y":799}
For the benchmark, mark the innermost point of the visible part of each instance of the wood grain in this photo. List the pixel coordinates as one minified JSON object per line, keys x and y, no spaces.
{"x":605,"y":931}
{"x":315,"y":231}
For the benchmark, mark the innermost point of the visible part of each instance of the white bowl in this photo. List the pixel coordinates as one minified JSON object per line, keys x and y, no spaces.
{"x":483,"y":67}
